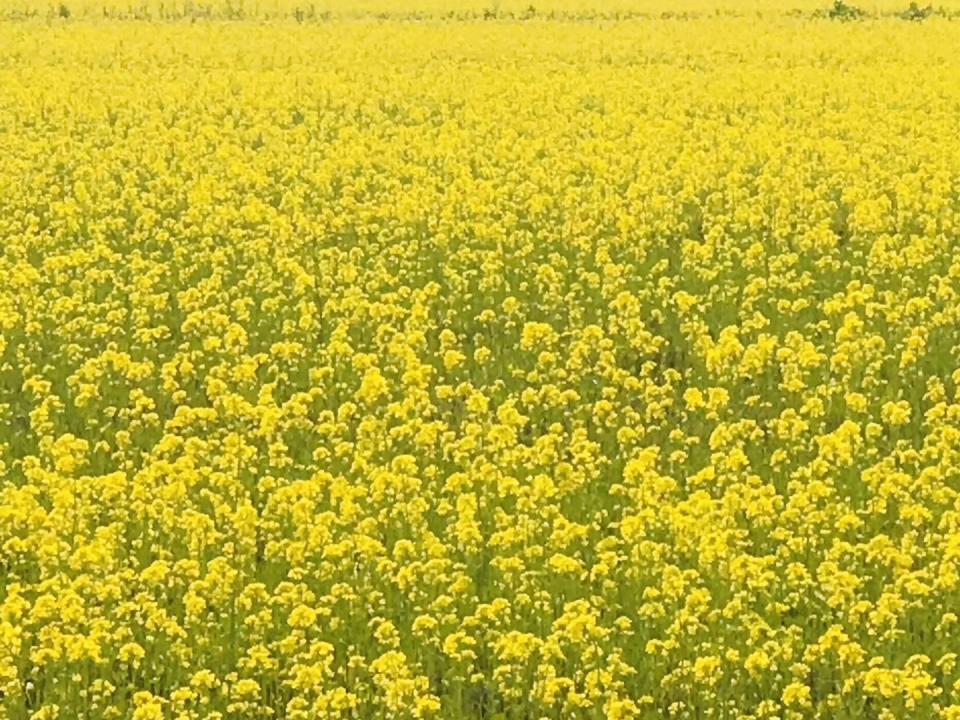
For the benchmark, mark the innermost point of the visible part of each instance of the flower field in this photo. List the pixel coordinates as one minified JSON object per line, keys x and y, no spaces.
{"x":443,"y":360}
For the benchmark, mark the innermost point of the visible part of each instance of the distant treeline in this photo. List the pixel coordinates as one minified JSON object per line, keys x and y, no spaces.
{"x":237,"y":10}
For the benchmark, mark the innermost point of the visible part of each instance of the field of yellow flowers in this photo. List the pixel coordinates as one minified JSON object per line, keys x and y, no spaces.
{"x":435,"y":360}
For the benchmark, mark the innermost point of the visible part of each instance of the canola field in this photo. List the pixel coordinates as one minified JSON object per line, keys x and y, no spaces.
{"x":450,"y":361}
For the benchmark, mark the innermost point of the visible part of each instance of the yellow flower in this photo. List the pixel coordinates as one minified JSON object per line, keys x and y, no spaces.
{"x":895,"y":413}
{"x":132,"y":653}
{"x":796,"y":695}
{"x":302,"y":617}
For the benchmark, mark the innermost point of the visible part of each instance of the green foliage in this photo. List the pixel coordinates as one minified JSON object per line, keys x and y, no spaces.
{"x":917,"y":13}
{"x":844,"y":11}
